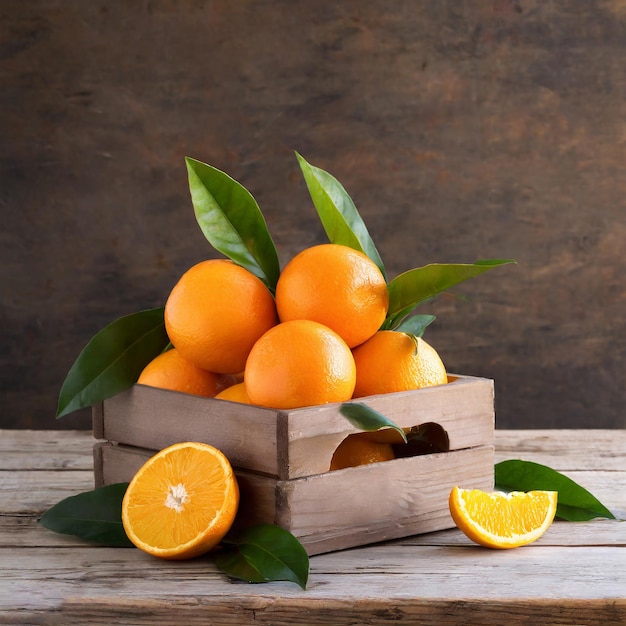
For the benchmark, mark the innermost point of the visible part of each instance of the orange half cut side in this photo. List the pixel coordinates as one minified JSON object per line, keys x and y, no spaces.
{"x":502,"y":520}
{"x":181,"y":502}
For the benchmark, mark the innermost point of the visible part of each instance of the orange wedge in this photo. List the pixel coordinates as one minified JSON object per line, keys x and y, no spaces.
{"x":181,"y":502}
{"x":502,"y":520}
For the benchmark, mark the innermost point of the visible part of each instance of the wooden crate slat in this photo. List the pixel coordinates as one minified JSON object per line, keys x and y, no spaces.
{"x":371,"y":503}
{"x":465,"y":409}
{"x":156,"y":418}
{"x":288,"y":444}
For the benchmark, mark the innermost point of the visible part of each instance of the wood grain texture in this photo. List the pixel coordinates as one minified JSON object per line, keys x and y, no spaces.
{"x":439,"y":578}
{"x":464,"y":408}
{"x":462,"y":130}
{"x":153,"y":418}
{"x":564,"y":450}
{"x":55,"y":451}
{"x":386,"y":500}
{"x":469,"y":612}
{"x":294,"y":443}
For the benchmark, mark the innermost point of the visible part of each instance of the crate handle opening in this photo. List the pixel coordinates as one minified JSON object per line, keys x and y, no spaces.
{"x":386,"y":445}
{"x":427,"y":438}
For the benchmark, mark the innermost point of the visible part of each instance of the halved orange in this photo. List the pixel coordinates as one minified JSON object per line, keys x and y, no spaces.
{"x":181,"y":502}
{"x":502,"y":520}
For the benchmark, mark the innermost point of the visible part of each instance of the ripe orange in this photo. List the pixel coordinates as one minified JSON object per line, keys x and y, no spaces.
{"x":170,"y":371}
{"x":299,"y":363}
{"x":357,"y":449}
{"x":395,"y":361}
{"x":181,"y":502}
{"x":336,"y":286}
{"x":502,"y":520}
{"x":234,"y":393}
{"x":215,"y":313}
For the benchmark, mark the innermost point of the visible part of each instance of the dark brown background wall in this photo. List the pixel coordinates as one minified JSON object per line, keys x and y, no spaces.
{"x":462,"y":130}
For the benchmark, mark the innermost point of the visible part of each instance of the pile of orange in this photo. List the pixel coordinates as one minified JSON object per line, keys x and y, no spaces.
{"x":318,"y":340}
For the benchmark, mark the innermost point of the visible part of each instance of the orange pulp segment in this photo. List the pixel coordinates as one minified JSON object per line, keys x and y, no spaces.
{"x":502,"y":520}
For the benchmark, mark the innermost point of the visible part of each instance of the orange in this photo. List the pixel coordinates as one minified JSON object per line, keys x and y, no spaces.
{"x":395,"y":361}
{"x":215,"y":313}
{"x":170,"y":371}
{"x":337,"y":286}
{"x":181,"y":502}
{"x":299,"y":363}
{"x":502,"y":520}
{"x":357,"y":449}
{"x":234,"y":393}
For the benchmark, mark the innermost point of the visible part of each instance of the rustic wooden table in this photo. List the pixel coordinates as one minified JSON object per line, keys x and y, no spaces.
{"x":575,"y":574}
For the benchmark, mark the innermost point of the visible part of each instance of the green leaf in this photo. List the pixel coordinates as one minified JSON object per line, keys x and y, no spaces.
{"x":366,"y":418}
{"x":113,"y":360}
{"x":422,"y":283}
{"x":231,"y":221}
{"x":337,"y":212}
{"x":415,"y":325}
{"x":575,"y":503}
{"x":264,"y":553}
{"x":93,"y":516}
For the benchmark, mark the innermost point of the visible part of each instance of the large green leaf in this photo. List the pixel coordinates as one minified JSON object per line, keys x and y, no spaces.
{"x":93,"y":516}
{"x":337,"y":212}
{"x":231,"y":221}
{"x":368,"y":419}
{"x":422,"y":283}
{"x":264,"y":553}
{"x":113,"y":360}
{"x":575,"y":503}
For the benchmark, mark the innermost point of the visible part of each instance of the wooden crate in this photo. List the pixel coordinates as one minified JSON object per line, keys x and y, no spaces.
{"x":281,"y":458}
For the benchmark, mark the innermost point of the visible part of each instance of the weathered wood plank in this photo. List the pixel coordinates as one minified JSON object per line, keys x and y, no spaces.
{"x":370,"y":612}
{"x":161,"y":417}
{"x":410,"y":496}
{"x":24,"y":531}
{"x":67,"y":580}
{"x":464,"y":408}
{"x":32,"y":492}
{"x":564,"y":449}
{"x":288,"y":444}
{"x":45,"y":449}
